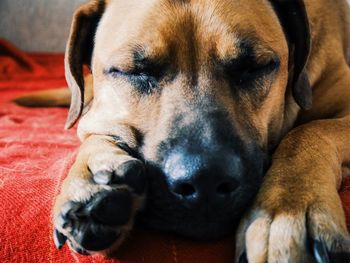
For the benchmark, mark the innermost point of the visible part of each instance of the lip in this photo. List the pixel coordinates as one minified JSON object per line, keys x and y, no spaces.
{"x":195,"y":223}
{"x":193,"y":228}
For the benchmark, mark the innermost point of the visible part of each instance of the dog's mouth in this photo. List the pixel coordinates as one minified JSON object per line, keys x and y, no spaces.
{"x":204,"y":224}
{"x":205,"y":220}
{"x":202,"y":194}
{"x":192,"y":227}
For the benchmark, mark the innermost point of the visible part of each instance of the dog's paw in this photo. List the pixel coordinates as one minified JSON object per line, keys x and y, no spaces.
{"x":314,"y":235}
{"x":95,"y":211}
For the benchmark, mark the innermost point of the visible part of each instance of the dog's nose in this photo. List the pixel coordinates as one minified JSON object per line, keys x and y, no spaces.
{"x":196,"y":178}
{"x":188,"y":188}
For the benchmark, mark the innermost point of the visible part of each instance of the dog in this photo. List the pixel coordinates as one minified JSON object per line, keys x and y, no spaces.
{"x":201,"y":116}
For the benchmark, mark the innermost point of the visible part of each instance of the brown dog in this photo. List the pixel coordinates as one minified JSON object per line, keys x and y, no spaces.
{"x":198,"y":106}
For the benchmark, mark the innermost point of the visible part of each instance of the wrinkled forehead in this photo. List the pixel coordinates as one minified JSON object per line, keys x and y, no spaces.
{"x":161,"y":26}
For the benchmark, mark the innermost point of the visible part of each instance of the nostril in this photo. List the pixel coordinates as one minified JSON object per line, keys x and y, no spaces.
{"x":184,"y":189}
{"x":225,"y":188}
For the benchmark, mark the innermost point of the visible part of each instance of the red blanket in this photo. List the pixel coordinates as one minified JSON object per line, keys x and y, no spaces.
{"x":34,"y":157}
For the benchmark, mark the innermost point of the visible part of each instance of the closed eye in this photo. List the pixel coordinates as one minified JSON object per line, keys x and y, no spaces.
{"x":251,"y":70}
{"x":144,"y":81}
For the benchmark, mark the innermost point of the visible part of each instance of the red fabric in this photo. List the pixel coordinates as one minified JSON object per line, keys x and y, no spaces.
{"x":35,"y":154}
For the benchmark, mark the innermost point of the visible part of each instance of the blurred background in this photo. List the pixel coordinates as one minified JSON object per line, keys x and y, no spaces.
{"x":37,"y":25}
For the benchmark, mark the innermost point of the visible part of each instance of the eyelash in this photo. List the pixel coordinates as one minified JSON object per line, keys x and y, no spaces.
{"x":144,"y":82}
{"x":250,"y":73}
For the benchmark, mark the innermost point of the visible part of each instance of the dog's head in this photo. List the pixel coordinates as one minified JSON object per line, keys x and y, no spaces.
{"x":201,"y":90}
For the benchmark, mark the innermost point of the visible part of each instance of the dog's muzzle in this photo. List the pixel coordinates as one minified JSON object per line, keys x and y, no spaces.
{"x":204,"y":179}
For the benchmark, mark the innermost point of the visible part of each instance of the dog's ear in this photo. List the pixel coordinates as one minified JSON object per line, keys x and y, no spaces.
{"x":294,"y":21}
{"x":78,"y":53}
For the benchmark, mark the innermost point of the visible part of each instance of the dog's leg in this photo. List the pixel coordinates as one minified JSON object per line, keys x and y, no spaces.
{"x":298,"y":215}
{"x":59,"y":97}
{"x":100,"y":197}
{"x":298,"y":207}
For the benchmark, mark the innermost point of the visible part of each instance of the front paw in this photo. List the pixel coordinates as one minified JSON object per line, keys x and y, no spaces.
{"x":98,"y":203}
{"x":277,"y":234}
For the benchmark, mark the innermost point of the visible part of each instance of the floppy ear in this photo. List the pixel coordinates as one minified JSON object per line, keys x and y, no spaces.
{"x":294,"y":21}
{"x":78,"y":53}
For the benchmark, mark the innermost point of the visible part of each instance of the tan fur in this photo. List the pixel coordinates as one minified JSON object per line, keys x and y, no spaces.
{"x":59,"y":97}
{"x":77,"y":187}
{"x":48,"y":98}
{"x":299,"y":193}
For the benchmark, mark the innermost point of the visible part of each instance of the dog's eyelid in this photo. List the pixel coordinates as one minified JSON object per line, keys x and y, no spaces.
{"x":268,"y":64}
{"x":250,"y":70}
{"x":248,"y":64}
{"x":135,"y":71}
{"x":143,"y":81}
{"x":113,"y":71}
{"x":116,"y":72}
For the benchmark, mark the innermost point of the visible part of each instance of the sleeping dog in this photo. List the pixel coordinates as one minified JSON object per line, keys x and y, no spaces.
{"x":203,"y":115}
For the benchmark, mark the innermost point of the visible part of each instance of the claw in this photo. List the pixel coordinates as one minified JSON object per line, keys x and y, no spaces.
{"x":82,"y":252}
{"x":59,"y":239}
{"x":320,"y":252}
{"x":79,"y":250}
{"x":243,"y":258}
